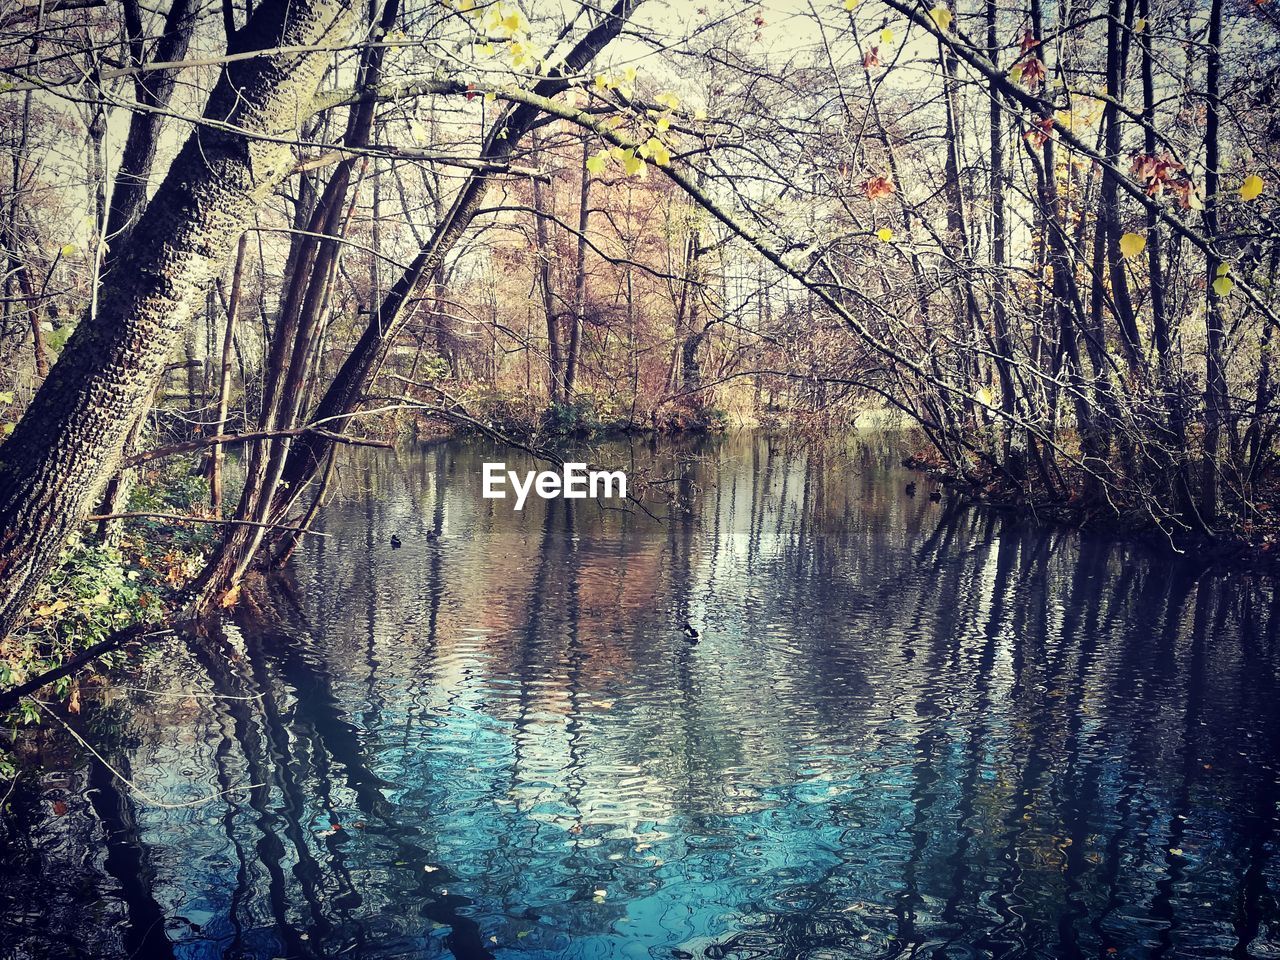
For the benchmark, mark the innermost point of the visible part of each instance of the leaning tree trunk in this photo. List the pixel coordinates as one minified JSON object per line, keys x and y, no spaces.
{"x":69,"y":442}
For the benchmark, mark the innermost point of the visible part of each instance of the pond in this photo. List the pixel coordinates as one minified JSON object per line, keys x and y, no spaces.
{"x":908,"y":728}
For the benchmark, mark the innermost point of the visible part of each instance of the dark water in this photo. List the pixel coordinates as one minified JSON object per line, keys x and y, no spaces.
{"x":909,"y":730}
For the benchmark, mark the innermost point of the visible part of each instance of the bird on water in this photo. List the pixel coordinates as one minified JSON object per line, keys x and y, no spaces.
{"x":691,"y":632}
{"x":395,"y":541}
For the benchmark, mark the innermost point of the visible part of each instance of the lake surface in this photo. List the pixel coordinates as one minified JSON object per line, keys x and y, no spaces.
{"x":909,"y":729}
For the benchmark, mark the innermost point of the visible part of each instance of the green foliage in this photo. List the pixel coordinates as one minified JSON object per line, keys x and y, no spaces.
{"x":433,"y":367}
{"x":576,"y":418}
{"x":99,"y":588}
{"x":95,"y":590}
{"x":57,"y":339}
{"x":6,"y":425}
{"x":174,"y":489}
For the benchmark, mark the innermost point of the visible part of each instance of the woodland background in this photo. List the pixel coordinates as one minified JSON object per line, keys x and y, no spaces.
{"x":1042,"y":234}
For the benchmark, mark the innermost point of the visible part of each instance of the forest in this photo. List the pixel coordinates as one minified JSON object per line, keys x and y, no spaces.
{"x":1043,"y":236}
{"x":284,"y":279}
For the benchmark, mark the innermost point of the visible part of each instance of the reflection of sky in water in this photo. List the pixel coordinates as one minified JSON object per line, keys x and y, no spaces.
{"x":908,"y":729}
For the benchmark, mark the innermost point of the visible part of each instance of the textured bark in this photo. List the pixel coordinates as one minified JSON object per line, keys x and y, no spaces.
{"x":69,"y":442}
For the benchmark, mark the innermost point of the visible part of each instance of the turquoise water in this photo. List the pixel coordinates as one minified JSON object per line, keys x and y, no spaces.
{"x":909,"y":729}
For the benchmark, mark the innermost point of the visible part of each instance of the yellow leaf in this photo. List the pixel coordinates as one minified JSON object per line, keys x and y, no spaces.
{"x":631,"y":163}
{"x":597,"y":162}
{"x":1252,"y":187}
{"x":602,"y":83}
{"x":657,"y":151}
{"x":490,"y":97}
{"x":851,"y":4}
{"x":67,"y":249}
{"x":668,"y":100}
{"x":1223,"y":286}
{"x":663,"y":124}
{"x":885,"y":234}
{"x":1015,"y":73}
{"x":886,"y":36}
{"x":1140,"y":24}
{"x":1223,"y":270}
{"x":513,"y":21}
{"x":941,"y":16}
{"x":985,"y":397}
{"x":1132,"y":244}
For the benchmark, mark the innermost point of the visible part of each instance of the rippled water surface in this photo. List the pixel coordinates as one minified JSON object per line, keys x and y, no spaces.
{"x":908,"y":730}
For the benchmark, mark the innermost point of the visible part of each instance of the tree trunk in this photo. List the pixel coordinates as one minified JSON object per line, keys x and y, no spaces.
{"x":555,"y":360}
{"x":295,"y":336}
{"x":1215,"y":386}
{"x":153,"y":89}
{"x":579,"y":277}
{"x":999,"y":314}
{"x":1107,"y":260}
{"x":343,"y":397}
{"x":69,"y":442}
{"x":224,"y":380}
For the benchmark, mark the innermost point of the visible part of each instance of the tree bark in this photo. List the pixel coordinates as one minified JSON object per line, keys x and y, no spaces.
{"x":1215,"y":386}
{"x":69,"y":442}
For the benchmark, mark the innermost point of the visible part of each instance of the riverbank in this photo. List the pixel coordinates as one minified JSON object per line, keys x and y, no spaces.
{"x":1252,"y":545}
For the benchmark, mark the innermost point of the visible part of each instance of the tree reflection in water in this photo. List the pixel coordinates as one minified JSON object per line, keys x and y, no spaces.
{"x":908,"y":728}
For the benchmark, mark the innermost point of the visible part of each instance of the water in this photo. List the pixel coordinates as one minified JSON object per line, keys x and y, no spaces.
{"x":909,"y":729}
